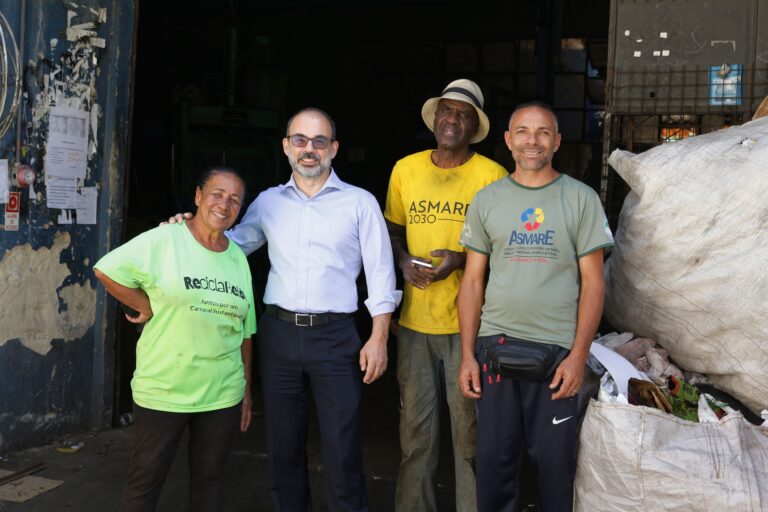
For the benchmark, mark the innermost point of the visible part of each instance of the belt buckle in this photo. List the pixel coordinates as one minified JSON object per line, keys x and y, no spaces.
{"x":307,"y":316}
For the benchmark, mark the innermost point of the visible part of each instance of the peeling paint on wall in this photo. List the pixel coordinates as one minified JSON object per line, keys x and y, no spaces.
{"x":57,"y":350}
{"x":41,"y":309}
{"x":70,"y":82}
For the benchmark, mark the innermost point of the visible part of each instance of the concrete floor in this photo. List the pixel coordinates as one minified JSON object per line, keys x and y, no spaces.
{"x":94,"y":476}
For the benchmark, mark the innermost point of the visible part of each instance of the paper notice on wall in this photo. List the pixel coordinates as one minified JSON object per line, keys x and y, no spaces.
{"x":67,"y":146}
{"x":60,"y":192}
{"x":3,"y":181}
{"x":85,"y":201}
{"x":85,"y":209}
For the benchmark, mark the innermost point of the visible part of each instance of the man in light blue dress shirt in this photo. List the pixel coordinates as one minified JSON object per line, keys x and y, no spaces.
{"x":321,"y":232}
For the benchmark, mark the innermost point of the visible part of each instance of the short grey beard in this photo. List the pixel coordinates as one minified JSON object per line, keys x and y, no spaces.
{"x":311,"y":172}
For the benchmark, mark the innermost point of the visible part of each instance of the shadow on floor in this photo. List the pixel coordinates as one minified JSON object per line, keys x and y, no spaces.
{"x":94,"y":476}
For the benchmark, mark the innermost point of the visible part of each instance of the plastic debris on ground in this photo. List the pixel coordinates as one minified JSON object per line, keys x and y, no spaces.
{"x":69,"y":447}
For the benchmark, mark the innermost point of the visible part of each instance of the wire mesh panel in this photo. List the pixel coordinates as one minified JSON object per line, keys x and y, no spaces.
{"x":651,"y":107}
{"x":678,"y":69}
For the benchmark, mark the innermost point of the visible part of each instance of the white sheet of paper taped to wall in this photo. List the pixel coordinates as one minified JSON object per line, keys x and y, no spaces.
{"x":656,"y":53}
{"x":67,"y":142}
{"x":665,"y":53}
{"x":638,"y":54}
{"x":663,"y":35}
{"x":60,"y":192}
{"x":86,"y":201}
{"x":627,"y":33}
{"x":3,"y":181}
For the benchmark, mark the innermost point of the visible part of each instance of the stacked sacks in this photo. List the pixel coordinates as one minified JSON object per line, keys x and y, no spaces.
{"x":689,"y":266}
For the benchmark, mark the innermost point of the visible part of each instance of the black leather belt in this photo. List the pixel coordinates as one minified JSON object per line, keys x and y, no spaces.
{"x":304,"y":319}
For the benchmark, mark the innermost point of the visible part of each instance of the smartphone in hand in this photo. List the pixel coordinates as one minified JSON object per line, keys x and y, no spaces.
{"x":422,"y":263}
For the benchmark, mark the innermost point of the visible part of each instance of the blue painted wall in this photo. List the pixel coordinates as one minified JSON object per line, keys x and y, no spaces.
{"x":57,"y":342}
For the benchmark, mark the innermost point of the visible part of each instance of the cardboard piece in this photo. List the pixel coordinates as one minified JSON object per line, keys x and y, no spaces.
{"x":26,"y":487}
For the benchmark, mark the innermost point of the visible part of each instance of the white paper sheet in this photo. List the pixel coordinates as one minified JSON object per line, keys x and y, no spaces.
{"x":85,"y":201}
{"x":620,"y":369}
{"x":60,"y":192}
{"x":66,"y":149}
{"x":3,"y":181}
{"x":86,"y":205}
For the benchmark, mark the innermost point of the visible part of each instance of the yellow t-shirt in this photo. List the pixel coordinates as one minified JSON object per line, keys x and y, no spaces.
{"x":431,"y":203}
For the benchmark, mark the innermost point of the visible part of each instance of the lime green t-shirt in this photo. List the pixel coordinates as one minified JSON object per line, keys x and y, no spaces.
{"x":534,"y":238}
{"x":188,"y":356}
{"x":432,"y":203}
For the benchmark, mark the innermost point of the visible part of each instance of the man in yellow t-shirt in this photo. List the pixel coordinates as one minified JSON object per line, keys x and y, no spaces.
{"x":427,"y":201}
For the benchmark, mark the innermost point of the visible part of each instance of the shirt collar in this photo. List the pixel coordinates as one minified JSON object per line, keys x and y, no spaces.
{"x":333,"y":182}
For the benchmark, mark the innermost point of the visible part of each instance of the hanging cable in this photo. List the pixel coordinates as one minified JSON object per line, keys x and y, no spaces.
{"x":10,"y":75}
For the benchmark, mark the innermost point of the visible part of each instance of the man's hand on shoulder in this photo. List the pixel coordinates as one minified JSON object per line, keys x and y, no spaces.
{"x":179,"y":218}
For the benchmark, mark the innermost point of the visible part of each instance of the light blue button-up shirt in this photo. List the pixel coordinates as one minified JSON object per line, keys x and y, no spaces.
{"x":317,"y":246}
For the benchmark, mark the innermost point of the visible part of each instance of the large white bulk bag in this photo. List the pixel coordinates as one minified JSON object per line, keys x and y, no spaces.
{"x":690,"y":266}
{"x":634,"y":458}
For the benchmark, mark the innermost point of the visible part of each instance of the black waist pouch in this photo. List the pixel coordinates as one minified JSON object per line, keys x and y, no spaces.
{"x":525,"y":360}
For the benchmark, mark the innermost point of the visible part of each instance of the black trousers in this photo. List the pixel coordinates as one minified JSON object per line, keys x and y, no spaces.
{"x":323,"y":360}
{"x":514,"y":415}
{"x":156,"y":437}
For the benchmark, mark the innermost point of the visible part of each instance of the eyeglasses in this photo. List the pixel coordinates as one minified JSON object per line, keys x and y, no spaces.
{"x":319,"y":142}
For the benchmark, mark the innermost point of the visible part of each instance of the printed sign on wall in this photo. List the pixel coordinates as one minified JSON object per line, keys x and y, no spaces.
{"x":12,"y":211}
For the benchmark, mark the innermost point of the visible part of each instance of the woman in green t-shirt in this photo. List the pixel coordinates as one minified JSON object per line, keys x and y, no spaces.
{"x":192,"y":289}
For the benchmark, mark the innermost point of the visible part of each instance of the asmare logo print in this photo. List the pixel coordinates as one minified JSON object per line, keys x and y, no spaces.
{"x":532,"y":217}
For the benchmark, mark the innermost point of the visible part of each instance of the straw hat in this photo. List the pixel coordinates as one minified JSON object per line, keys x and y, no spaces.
{"x":459,"y":90}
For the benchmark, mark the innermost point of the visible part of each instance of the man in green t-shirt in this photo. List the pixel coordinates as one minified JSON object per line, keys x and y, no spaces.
{"x":542,"y":235}
{"x":427,"y":201}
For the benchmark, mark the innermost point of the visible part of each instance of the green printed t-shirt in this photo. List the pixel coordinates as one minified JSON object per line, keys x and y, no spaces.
{"x":534,"y":238}
{"x":188,"y":356}
{"x":431,"y":203}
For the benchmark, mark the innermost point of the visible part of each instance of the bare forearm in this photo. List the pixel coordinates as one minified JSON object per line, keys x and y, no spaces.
{"x":591,"y":298}
{"x":470,"y":302}
{"x":398,"y":241}
{"x":134,"y":298}
{"x":380,"y":328}
{"x":373,"y":356}
{"x":246,"y":413}
{"x":246,"y":352}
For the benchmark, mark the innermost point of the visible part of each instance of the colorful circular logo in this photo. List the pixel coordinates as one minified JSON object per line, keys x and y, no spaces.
{"x":532,"y":217}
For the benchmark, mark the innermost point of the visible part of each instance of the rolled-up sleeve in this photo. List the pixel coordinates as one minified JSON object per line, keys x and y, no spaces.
{"x":377,"y":257}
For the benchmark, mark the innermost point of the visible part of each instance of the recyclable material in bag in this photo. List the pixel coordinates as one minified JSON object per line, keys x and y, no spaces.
{"x":637,"y":459}
{"x":689,"y":265}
